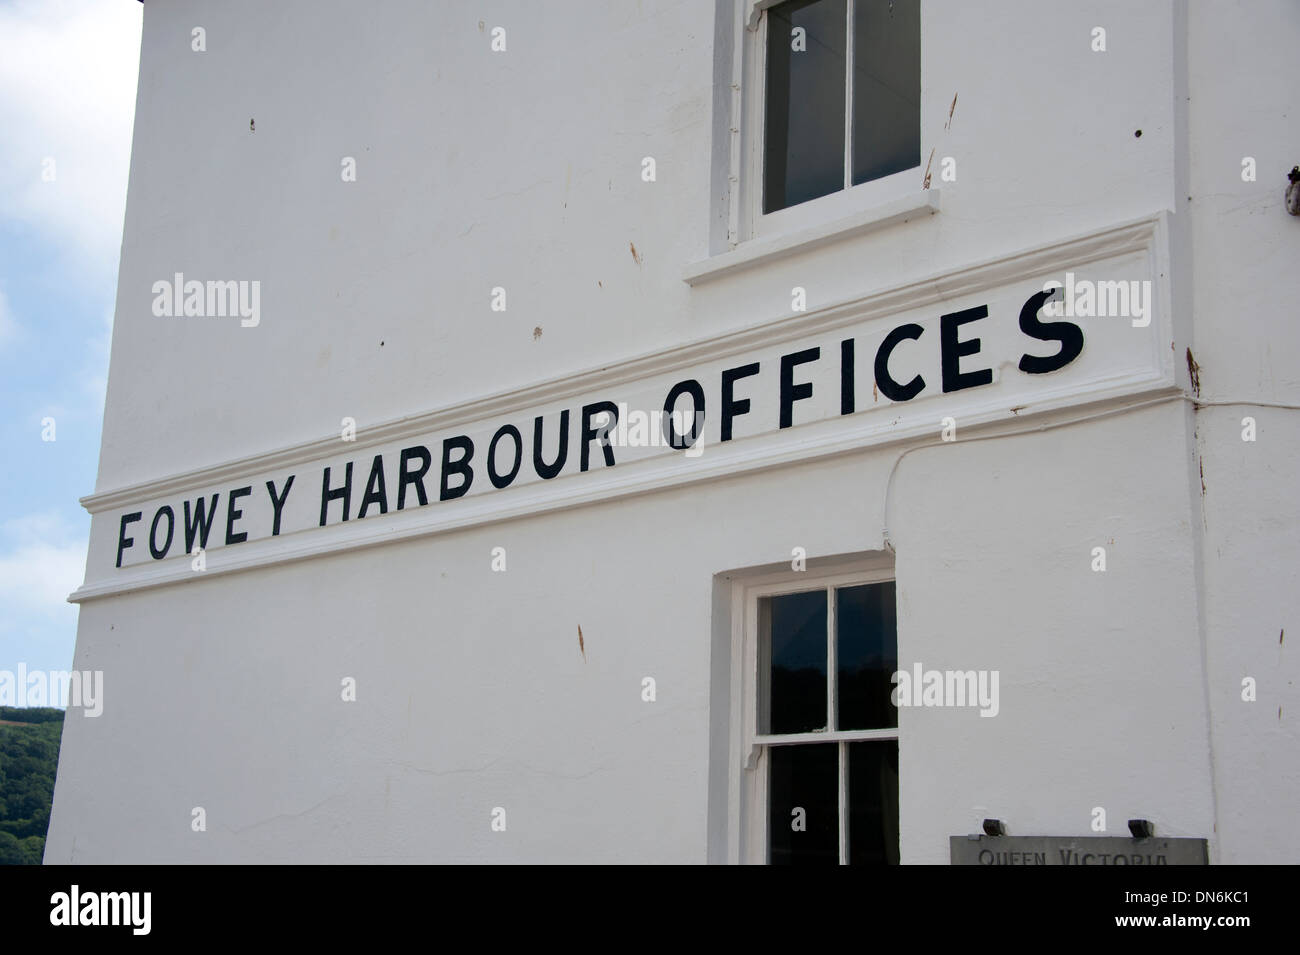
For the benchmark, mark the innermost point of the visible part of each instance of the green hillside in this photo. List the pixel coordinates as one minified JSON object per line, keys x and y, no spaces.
{"x":29,"y":757}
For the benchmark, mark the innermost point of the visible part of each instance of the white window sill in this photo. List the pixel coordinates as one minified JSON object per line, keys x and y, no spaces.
{"x":761,"y":251}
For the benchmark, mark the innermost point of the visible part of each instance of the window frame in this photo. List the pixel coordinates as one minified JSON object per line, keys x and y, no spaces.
{"x":753,"y":223}
{"x":748,"y":790}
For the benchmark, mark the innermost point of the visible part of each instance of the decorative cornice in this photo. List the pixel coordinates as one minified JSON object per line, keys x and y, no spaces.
{"x":1132,"y":236}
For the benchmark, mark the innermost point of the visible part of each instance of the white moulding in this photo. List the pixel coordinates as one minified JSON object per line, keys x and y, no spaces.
{"x":761,"y":251}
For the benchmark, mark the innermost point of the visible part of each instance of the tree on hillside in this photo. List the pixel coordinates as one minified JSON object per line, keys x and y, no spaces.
{"x":29,"y":758}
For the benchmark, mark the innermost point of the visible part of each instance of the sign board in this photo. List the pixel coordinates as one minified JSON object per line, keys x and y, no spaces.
{"x":1078,"y":322}
{"x":1075,"y":850}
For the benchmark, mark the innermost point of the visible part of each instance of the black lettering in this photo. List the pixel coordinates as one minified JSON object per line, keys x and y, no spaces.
{"x":1068,"y":334}
{"x":590,"y":434}
{"x":790,"y":392}
{"x":462,"y":467}
{"x":952,"y":350}
{"x":233,"y":514}
{"x":847,"y":397}
{"x":731,"y":408}
{"x":407,"y":476}
{"x":158,"y":553}
{"x":327,"y":495}
{"x":123,"y":542}
{"x":679,"y":441}
{"x":544,"y":470}
{"x":890,"y":388}
{"x":499,"y":481}
{"x":278,"y":502}
{"x":201,"y":523}
{"x":376,"y":488}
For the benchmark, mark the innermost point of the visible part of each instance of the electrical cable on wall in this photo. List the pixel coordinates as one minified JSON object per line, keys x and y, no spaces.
{"x":1053,"y":425}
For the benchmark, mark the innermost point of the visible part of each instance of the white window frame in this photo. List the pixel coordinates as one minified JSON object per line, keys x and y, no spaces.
{"x":883,"y":193}
{"x":748,"y":789}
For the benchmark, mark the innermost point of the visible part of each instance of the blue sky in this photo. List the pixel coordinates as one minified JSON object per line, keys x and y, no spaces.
{"x":67,"y":93}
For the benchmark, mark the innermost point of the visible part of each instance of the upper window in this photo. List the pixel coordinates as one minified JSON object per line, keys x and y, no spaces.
{"x":842,"y":96}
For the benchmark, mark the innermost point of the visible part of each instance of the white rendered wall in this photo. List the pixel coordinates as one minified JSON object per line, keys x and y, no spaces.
{"x":1247,"y":343}
{"x":522,"y":169}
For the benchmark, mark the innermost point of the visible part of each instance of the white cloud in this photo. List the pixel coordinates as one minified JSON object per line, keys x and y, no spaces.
{"x":94,"y":378}
{"x":67,"y":92}
{"x":42,"y":561}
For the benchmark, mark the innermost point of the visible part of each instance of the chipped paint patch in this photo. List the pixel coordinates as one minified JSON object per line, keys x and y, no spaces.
{"x":1194,"y":372}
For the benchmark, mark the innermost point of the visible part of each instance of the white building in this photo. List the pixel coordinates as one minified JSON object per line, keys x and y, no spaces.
{"x":459,"y":236}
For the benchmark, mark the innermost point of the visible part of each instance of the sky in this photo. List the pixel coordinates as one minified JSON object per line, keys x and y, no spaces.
{"x":68,"y":73}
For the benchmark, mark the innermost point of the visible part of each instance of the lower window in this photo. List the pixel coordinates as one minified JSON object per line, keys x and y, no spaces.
{"x":822,"y":733}
{"x":808,"y":807}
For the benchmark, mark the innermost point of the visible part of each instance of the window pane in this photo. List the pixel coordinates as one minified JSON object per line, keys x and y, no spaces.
{"x":873,"y":803}
{"x":866,"y":656}
{"x":886,"y":87}
{"x":792,"y":663}
{"x":803,"y":778}
{"x":803,"y":149}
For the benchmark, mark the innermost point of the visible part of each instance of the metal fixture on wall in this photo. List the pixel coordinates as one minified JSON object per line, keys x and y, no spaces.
{"x":1141,"y":828}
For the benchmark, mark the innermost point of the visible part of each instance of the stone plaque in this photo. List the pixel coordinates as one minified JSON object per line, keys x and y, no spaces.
{"x":1075,"y":850}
